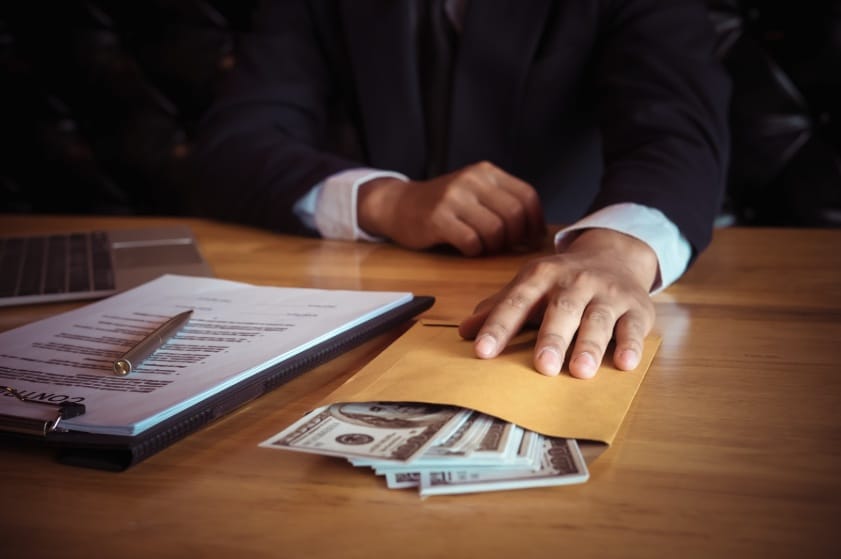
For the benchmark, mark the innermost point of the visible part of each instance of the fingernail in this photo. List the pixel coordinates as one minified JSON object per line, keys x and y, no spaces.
{"x":549,"y":361}
{"x":584,"y":365}
{"x":486,"y":345}
{"x":628,"y":358}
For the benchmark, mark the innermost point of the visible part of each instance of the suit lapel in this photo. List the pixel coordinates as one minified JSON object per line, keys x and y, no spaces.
{"x":497,"y":45}
{"x":383,"y":62}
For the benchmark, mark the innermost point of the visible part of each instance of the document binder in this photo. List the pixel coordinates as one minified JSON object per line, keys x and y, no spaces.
{"x":119,"y":452}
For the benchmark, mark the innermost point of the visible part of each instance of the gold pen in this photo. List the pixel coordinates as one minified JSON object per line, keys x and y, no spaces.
{"x":150,"y":344}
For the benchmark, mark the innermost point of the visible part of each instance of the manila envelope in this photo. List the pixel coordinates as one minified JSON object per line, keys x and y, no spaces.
{"x":431,"y":363}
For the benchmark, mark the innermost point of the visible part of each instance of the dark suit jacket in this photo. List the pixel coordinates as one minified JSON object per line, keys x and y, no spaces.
{"x":592,"y":102}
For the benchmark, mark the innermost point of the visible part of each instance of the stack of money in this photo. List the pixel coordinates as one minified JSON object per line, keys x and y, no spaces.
{"x":437,"y":449}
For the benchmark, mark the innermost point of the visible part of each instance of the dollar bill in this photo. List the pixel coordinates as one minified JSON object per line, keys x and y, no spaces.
{"x":383,"y":431}
{"x":528,"y":458}
{"x":402,"y":480}
{"x":561,"y":464}
{"x":437,"y":449}
{"x":496,"y":445}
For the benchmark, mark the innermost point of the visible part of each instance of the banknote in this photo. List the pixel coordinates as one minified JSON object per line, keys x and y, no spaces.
{"x":383,"y":431}
{"x":561,"y":464}
{"x":437,"y":449}
{"x":498,"y":446}
{"x":445,"y":444}
{"x":527,"y":458}
{"x":402,"y":480}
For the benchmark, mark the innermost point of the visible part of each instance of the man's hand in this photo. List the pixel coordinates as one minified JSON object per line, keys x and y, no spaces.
{"x":597,"y":288}
{"x":479,"y":209}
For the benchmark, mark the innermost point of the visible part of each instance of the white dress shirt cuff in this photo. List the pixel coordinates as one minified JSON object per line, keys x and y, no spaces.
{"x":335,"y":209}
{"x":650,"y":226}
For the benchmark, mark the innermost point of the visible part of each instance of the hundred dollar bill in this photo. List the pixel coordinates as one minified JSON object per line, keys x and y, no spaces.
{"x":496,"y":446}
{"x":528,"y":457}
{"x":382,"y":431}
{"x":561,"y":464}
{"x":402,"y":480}
{"x":446,"y":441}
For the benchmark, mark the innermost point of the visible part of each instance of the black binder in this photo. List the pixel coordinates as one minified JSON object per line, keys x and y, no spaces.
{"x":118,"y":452}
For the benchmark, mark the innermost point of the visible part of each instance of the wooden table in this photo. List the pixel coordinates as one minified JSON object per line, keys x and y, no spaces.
{"x":732,"y":447}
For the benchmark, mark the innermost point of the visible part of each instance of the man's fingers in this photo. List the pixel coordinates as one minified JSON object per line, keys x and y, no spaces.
{"x":470,"y":326}
{"x":478,"y":209}
{"x":631,"y":330}
{"x":518,"y":188}
{"x":506,"y":318}
{"x":560,"y":322}
{"x":594,"y":334}
{"x":447,"y":228}
{"x":549,"y":353}
{"x":585,"y":297}
{"x":471,"y":213}
{"x":513,"y":201}
{"x":487,"y":225}
{"x":530,"y":208}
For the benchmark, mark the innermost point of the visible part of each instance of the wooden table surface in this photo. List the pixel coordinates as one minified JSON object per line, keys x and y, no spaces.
{"x":732,"y":447}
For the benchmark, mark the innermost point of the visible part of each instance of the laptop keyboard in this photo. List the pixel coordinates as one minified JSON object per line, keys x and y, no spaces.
{"x":55,"y":264}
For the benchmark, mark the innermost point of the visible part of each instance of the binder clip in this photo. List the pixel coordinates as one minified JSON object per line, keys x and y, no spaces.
{"x":40,"y":427}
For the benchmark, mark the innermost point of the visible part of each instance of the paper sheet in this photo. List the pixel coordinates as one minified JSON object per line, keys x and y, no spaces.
{"x":236,"y":330}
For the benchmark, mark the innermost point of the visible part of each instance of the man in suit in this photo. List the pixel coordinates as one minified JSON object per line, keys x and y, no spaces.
{"x":465,"y":123}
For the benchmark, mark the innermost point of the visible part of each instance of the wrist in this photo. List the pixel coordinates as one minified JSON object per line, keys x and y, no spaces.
{"x":376,"y":202}
{"x":637,"y":256}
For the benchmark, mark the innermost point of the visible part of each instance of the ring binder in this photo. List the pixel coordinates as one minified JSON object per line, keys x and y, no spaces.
{"x":38,"y":426}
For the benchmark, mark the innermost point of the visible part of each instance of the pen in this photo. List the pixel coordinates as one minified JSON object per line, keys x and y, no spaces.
{"x":150,"y":344}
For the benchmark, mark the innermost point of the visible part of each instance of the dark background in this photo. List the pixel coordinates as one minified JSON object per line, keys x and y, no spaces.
{"x":100,"y":99}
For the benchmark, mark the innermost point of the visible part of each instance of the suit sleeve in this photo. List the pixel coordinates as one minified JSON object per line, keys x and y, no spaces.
{"x":259,"y":148}
{"x":663,"y":98}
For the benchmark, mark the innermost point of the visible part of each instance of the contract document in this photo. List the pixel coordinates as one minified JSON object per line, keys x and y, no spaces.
{"x":236,"y":330}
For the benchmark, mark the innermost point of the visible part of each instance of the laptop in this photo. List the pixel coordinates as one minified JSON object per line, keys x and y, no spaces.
{"x":93,"y":264}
